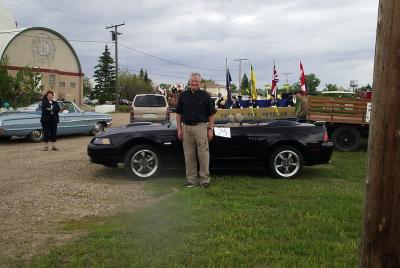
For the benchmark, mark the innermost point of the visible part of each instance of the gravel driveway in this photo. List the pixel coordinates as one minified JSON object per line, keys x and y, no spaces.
{"x":40,"y":190}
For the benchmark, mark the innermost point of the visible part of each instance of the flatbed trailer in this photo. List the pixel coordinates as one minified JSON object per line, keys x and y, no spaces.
{"x":347,"y":119}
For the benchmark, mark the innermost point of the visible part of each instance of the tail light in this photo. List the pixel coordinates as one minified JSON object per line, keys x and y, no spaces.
{"x":132,"y":115}
{"x":168,"y":116}
{"x":326,"y":137}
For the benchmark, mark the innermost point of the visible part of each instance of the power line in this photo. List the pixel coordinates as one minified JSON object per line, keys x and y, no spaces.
{"x":128,"y":68}
{"x":170,"y":61}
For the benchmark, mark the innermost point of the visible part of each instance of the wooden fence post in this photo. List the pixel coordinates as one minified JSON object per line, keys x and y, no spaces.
{"x":380,"y":245}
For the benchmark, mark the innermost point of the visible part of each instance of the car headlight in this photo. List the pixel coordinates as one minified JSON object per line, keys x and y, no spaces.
{"x":102,"y":141}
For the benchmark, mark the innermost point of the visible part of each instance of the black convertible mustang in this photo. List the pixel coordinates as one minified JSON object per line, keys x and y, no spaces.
{"x":281,"y":146}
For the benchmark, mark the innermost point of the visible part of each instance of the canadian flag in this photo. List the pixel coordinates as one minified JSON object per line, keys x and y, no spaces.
{"x":302,"y":78}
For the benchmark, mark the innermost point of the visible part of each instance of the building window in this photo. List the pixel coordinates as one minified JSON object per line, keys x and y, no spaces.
{"x":72,"y":84}
{"x":62,"y":84}
{"x":52,"y":80}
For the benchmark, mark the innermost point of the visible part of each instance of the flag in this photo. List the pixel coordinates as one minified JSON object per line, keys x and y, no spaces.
{"x":162,"y":91}
{"x":275,"y":80}
{"x":228,"y":88}
{"x":302,"y":78}
{"x":253,"y":84}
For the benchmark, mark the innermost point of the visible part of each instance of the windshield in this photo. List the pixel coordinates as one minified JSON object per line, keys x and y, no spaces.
{"x":150,"y":101}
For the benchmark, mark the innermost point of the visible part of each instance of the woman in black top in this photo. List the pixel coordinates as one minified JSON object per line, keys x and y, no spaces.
{"x":49,"y":119}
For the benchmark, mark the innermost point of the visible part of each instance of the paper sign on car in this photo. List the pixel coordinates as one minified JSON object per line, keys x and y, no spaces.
{"x":222,"y":132}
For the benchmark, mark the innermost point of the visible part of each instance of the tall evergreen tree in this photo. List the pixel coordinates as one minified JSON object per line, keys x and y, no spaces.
{"x":104,"y":76}
{"x":141,"y":74}
{"x":146,"y":77}
{"x":245,"y":85}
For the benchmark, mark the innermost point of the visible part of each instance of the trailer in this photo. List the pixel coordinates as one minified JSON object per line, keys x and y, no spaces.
{"x":347,"y":119}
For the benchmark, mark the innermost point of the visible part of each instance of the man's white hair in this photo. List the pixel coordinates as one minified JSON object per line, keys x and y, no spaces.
{"x":195,"y":74}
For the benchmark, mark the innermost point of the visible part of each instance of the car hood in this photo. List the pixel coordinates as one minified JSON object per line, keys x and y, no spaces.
{"x":132,"y":129}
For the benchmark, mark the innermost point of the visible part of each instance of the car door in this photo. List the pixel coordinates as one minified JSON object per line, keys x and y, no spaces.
{"x":72,"y":120}
{"x":237,"y":151}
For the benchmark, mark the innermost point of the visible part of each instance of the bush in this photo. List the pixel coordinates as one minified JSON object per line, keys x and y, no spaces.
{"x":122,"y":108}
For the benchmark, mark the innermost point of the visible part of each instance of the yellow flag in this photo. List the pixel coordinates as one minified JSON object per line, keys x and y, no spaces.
{"x":253,"y":83}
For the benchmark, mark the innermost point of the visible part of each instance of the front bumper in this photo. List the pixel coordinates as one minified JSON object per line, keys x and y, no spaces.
{"x":103,"y":154}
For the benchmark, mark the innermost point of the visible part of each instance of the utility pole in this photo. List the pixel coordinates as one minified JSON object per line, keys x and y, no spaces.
{"x":114,"y":37}
{"x":240,"y":74}
{"x":380,"y":245}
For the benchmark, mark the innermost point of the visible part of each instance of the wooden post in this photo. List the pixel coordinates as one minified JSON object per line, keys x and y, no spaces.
{"x":380,"y":245}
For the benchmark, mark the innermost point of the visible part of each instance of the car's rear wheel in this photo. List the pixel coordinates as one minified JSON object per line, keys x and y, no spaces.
{"x":142,"y":162}
{"x":99,"y":127}
{"x":286,"y":162}
{"x":36,"y":135}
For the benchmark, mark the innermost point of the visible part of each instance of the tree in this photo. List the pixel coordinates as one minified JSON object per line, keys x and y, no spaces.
{"x":146,"y":77}
{"x":233,"y":87}
{"x":141,"y":74}
{"x":87,"y":86}
{"x":367,"y":87}
{"x":331,"y":87}
{"x":132,"y":84}
{"x":165,"y":86}
{"x":207,"y":80}
{"x":312,"y":83}
{"x":245,"y":85}
{"x":6,"y":82}
{"x":104,"y":75}
{"x":27,"y":88}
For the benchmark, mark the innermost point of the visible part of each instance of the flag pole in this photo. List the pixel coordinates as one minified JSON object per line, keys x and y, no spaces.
{"x":227,"y":86}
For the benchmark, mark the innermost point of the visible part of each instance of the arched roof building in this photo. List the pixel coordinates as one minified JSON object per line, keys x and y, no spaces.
{"x":45,"y":50}
{"x":49,"y":53}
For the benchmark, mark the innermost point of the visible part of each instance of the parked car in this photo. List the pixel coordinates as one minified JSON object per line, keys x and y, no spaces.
{"x":149,"y":108}
{"x":25,"y":122}
{"x":91,"y":102}
{"x":281,"y":146}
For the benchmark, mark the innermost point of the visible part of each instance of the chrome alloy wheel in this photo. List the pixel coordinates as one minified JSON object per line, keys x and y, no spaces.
{"x":36,"y":135}
{"x":144,"y":163}
{"x":287,"y":163}
{"x":99,"y":127}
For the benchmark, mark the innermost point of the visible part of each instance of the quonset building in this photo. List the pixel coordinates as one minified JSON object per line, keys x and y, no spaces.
{"x":45,"y":50}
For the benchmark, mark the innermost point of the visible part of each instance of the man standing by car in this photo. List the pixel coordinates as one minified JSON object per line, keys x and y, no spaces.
{"x":301,"y":104}
{"x":193,"y":111}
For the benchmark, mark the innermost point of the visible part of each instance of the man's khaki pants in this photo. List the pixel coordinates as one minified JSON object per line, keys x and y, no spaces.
{"x":195,"y":146}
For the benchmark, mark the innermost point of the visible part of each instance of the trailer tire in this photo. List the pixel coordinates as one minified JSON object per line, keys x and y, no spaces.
{"x":346,"y":139}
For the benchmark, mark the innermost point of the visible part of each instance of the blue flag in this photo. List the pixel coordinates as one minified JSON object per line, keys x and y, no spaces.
{"x":228,"y":89}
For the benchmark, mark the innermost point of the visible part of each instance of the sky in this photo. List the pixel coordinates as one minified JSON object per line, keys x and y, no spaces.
{"x":171,"y":39}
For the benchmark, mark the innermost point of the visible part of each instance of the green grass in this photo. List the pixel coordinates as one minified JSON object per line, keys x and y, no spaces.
{"x":241,"y":221}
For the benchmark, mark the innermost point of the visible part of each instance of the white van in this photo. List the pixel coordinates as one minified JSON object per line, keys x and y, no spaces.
{"x":149,"y":108}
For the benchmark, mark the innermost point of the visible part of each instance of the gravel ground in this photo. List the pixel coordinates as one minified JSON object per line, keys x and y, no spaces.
{"x":41,"y":190}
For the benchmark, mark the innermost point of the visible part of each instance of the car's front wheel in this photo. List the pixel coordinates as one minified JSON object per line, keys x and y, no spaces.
{"x":99,"y":127}
{"x":286,"y":162}
{"x":36,"y":135}
{"x":142,"y":162}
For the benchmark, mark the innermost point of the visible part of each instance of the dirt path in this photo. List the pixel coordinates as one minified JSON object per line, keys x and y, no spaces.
{"x":40,"y":190}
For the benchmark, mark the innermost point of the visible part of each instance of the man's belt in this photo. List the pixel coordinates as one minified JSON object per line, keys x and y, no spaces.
{"x":191,"y":123}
